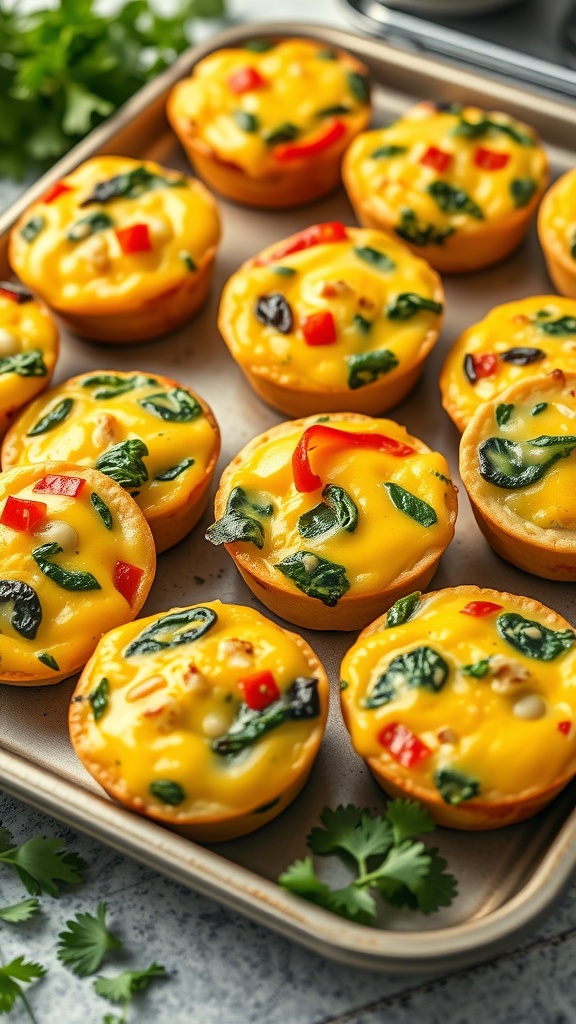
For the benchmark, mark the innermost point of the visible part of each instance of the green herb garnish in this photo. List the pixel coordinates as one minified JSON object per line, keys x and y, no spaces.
{"x":385,"y":152}
{"x":167,"y":791}
{"x":180,"y":627}
{"x":64,"y":578}
{"x":89,"y":225}
{"x":102,"y":509}
{"x":408,"y":304}
{"x":315,"y":576}
{"x":175,"y":471}
{"x":411,"y":505}
{"x":454,"y":200}
{"x":454,"y":787}
{"x":25,"y":364}
{"x":57,"y":415}
{"x":241,"y":520}
{"x":411,"y":230}
{"x":286,"y":132}
{"x":376,"y":259}
{"x":522,"y":190}
{"x":300,"y":702}
{"x":422,"y":668}
{"x":175,"y":406}
{"x":533,"y":639}
{"x":85,"y":943}
{"x":110,"y":385}
{"x":337,"y":512}
{"x":515,"y":464}
{"x":503,"y":413}
{"x":49,"y":661}
{"x":366,"y":367}
{"x":123,"y":463}
{"x":246,"y":122}
{"x":32,"y":229}
{"x":403,"y":609}
{"x":359,"y":86}
{"x":99,"y":699}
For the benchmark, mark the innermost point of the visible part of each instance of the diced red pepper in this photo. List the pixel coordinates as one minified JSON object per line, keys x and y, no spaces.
{"x":317,"y":234}
{"x":22,"y":515}
{"x":485,"y":364}
{"x":478,"y":609}
{"x":490,"y":159}
{"x":58,"y":189}
{"x":127,"y":580}
{"x":436,"y":158}
{"x":259,"y":690}
{"x":564,"y":727}
{"x":296,"y":150}
{"x":135,"y":238}
{"x":15,"y":292}
{"x":245,"y":80}
{"x":320,"y":435}
{"x":70,"y":486}
{"x":319,"y":328}
{"x":403,"y":745}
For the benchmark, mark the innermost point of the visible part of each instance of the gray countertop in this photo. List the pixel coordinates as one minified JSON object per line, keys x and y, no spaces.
{"x":224,"y":969}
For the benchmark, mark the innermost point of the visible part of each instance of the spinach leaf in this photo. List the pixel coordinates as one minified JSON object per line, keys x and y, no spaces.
{"x":562,"y":326}
{"x":407,"y":304}
{"x":478,"y":670}
{"x":16,"y":292}
{"x":454,"y":787}
{"x":283,"y":271}
{"x":182,"y":626}
{"x":359,"y":87}
{"x":187,"y":261}
{"x":241,"y":520}
{"x":385,"y":152}
{"x":90,"y":225}
{"x":259,"y":45}
{"x":175,"y":406}
{"x":52,"y":418}
{"x":412,"y":506}
{"x":130,"y":185}
{"x":64,"y":578}
{"x":123,"y":463}
{"x":299,"y":703}
{"x":337,"y":511}
{"x":419,"y":234}
{"x":503,"y":413}
{"x":403,"y":609}
{"x":422,"y":668}
{"x":365,"y":367}
{"x":26,"y":610}
{"x":25,"y":364}
{"x":376,"y":259}
{"x":454,"y":200}
{"x":99,"y":699}
{"x":315,"y":576}
{"x":109,"y":385}
{"x":285,"y":132}
{"x":49,"y":661}
{"x":538,"y":408}
{"x":363,"y":325}
{"x":247,"y":122}
{"x":32,"y":229}
{"x":522,"y":190}
{"x":102,"y":510}
{"x":335,"y":111}
{"x":516,"y":464}
{"x":476,"y":129}
{"x":533,"y":639}
{"x":174,"y":471}
{"x":168,"y":791}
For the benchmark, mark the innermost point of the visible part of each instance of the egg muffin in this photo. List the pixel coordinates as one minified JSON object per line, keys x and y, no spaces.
{"x":122,"y":250}
{"x":29,"y":345}
{"x":331,"y":519}
{"x":332,"y":318}
{"x":266,"y":124}
{"x":464,"y":700}
{"x":207,"y":718}
{"x":76,"y":559}
{"x":153,"y":436}
{"x":457,"y":183}
{"x":517,"y":463}
{"x":557,"y":233}
{"x":514,"y":341}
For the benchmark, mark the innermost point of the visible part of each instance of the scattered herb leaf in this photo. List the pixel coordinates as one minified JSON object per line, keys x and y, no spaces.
{"x":84,"y":945}
{"x":411,"y":505}
{"x":57,"y":415}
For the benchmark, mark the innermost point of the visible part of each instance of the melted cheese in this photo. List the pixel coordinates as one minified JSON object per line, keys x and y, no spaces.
{"x":25,"y":327}
{"x":300,"y":89}
{"x":164,"y":709}
{"x":330,"y":277}
{"x":94,"y":273}
{"x":504,"y":753}
{"x":560,"y":219}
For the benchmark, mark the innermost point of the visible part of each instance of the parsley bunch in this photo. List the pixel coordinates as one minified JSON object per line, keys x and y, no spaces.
{"x":64,"y":69}
{"x":387,"y":860}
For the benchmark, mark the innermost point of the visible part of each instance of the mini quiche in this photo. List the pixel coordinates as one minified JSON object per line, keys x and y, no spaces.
{"x":331,"y":519}
{"x":76,"y":559}
{"x":518,"y":464}
{"x":332,"y":318}
{"x":207,"y":718}
{"x":457,"y":183}
{"x":122,"y":250}
{"x":557,"y":233}
{"x":464,"y":700}
{"x":514,"y":341}
{"x":29,"y":345}
{"x":156,"y":438}
{"x":267,"y":124}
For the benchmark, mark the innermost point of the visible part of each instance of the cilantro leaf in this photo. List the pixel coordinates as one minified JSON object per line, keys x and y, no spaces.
{"x":301,"y":879}
{"x":408,"y":819}
{"x":437,"y":889}
{"x":17,"y":970}
{"x":44,"y":865}
{"x":121,"y":988}
{"x":406,"y":864}
{"x":83,"y":947}
{"x":352,"y":830}
{"x":6,"y":840}
{"x":353,"y":903}
{"x":19,"y":912}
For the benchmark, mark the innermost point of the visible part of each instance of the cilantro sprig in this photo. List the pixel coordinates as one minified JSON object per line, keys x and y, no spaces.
{"x":43,"y":865}
{"x":388,"y":860}
{"x":18,"y":970}
{"x":121,"y":988}
{"x":84,"y":945}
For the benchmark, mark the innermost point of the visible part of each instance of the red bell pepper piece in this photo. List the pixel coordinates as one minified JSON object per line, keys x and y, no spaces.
{"x":127,"y":579}
{"x":15,"y":292}
{"x":135,"y":238}
{"x":436,"y":158}
{"x":485,"y":364}
{"x":297,"y":150}
{"x":478,"y":609}
{"x":403,"y":745}
{"x":58,"y":189}
{"x":70,"y":486}
{"x":331,"y":437}
{"x":245,"y":80}
{"x":22,"y":515}
{"x":319,"y":328}
{"x":317,"y":234}
{"x":490,"y":159}
{"x":564,"y":727}
{"x":259,"y":690}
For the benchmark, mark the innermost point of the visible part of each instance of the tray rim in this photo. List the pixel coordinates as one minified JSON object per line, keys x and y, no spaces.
{"x":201,"y":868}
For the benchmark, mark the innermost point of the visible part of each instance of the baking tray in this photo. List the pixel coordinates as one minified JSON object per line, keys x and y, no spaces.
{"x":508,"y":879}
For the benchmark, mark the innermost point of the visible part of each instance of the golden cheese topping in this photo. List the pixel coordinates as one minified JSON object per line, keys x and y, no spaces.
{"x":28,"y":349}
{"x":262,"y":109}
{"x":514,"y":341}
{"x":150,"y":434}
{"x":337,"y":505}
{"x":76,"y":559}
{"x":467,"y":692}
{"x":200,"y":712}
{"x":559,"y":223}
{"x":437,"y":171}
{"x":332,"y":308}
{"x":113,"y":233}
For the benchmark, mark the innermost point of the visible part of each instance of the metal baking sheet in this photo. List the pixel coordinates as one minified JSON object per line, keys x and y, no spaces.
{"x":508,"y":879}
